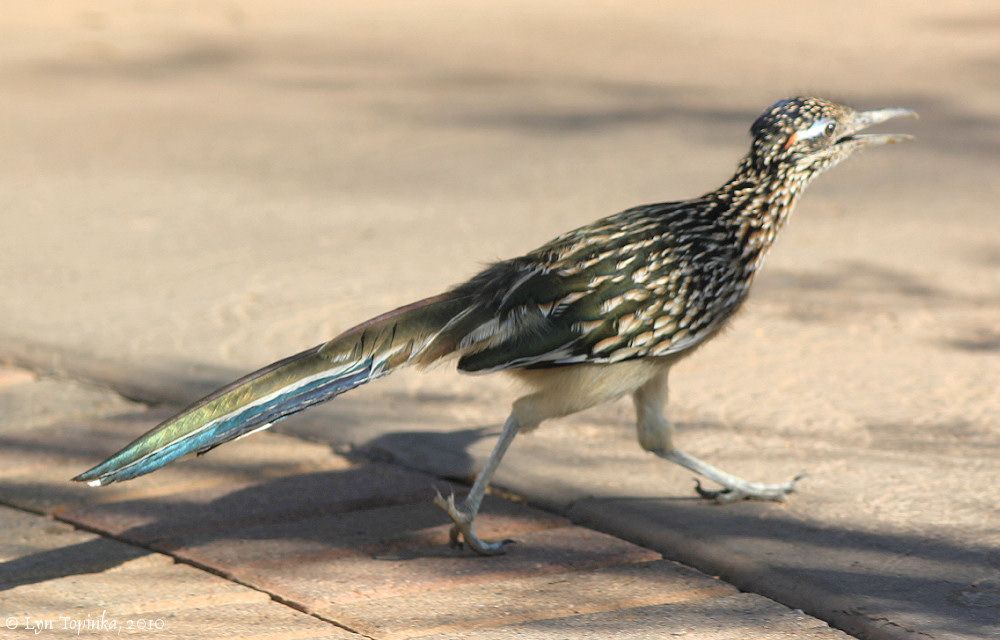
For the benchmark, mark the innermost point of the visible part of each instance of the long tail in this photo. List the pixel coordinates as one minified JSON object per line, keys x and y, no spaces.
{"x":418,"y":333}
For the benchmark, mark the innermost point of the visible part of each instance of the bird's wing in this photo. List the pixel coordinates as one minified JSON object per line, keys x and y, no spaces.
{"x":617,"y":290}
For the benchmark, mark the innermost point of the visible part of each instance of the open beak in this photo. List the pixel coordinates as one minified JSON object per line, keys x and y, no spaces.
{"x":864,"y":119}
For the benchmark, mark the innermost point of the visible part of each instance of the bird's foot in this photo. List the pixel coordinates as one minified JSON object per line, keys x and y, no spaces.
{"x":743,"y":490}
{"x":462,"y":529}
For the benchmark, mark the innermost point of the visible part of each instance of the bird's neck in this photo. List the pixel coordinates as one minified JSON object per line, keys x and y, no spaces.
{"x":757,"y":203}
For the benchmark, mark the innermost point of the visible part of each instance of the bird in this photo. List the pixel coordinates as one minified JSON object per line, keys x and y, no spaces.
{"x":596,"y":314}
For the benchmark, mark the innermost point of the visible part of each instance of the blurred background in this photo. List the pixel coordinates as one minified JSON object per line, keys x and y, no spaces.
{"x":222,"y":183}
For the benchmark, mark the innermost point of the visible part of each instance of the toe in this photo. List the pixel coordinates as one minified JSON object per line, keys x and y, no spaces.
{"x":487,"y":548}
{"x":709,"y":494}
{"x":729,"y":496}
{"x":455,"y":537}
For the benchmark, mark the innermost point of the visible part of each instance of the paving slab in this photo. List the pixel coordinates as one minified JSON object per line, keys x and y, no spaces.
{"x":873,"y":541}
{"x":355,"y":545}
{"x":532,"y":597}
{"x":890,"y":540}
{"x":397,"y":532}
{"x":37,"y":549}
{"x":361,"y":576}
{"x":234,"y":505}
{"x":44,"y":402}
{"x":928,"y":547}
{"x":858,"y":580}
{"x":55,"y":584}
{"x":37,"y":456}
{"x":734,"y":617}
{"x":271,"y":621}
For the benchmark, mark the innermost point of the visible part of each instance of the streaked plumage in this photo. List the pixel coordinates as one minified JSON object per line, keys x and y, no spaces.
{"x":596,"y":313}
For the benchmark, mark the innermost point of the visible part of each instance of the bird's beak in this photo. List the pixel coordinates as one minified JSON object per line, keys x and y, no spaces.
{"x":864,"y":119}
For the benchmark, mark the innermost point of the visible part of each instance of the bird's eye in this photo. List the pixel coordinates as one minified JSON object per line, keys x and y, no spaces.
{"x":830,"y":128}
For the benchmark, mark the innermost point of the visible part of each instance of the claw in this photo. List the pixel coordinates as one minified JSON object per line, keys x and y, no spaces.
{"x":461,"y":530}
{"x":709,"y":494}
{"x":454,"y":537}
{"x":749,"y":491}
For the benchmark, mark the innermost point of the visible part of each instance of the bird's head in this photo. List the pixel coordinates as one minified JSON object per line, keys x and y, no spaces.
{"x":809,"y":135}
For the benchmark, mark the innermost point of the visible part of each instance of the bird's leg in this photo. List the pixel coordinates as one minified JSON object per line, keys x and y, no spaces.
{"x":463,"y":517}
{"x":735,"y":488}
{"x":656,"y":435}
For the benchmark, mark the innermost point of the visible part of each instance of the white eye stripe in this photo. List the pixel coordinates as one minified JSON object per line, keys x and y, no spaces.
{"x":816,"y":129}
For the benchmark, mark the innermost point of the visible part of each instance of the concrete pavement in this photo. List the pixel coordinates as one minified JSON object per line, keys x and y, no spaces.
{"x":189,"y":193}
{"x":280,"y":538}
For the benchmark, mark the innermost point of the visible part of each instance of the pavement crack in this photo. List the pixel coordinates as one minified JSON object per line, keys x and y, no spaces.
{"x":153,"y":549}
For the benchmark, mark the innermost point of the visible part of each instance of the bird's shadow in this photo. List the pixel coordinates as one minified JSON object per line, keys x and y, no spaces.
{"x":315,"y":512}
{"x":267,"y":510}
{"x":342,"y":505}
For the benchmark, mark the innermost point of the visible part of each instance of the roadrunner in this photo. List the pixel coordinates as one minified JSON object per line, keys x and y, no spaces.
{"x":599,"y":312}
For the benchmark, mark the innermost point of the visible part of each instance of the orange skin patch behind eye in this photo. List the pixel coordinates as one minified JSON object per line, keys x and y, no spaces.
{"x":791,"y":140}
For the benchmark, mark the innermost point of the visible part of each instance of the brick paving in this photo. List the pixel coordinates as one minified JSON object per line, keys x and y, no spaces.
{"x":55,"y":577}
{"x":274,"y":537}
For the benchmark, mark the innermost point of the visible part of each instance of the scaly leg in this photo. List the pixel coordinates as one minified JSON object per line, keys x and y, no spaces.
{"x":736,"y":488}
{"x":463,"y":517}
{"x":656,"y":435}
